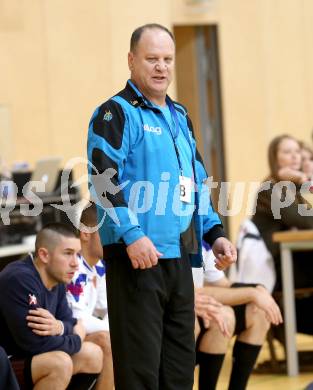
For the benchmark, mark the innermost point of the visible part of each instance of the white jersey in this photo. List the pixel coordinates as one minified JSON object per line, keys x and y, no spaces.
{"x":86,"y":295}
{"x":210,"y":273}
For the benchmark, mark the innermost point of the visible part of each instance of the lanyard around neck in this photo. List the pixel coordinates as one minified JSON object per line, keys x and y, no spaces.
{"x":175,"y":119}
{"x":175,"y":134}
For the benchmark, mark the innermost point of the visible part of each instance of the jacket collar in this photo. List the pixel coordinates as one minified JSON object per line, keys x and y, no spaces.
{"x":134,"y":97}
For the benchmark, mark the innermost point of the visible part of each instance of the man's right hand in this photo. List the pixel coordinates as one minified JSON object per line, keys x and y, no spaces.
{"x":143,"y":254}
{"x":80,"y":330}
{"x":43,"y":323}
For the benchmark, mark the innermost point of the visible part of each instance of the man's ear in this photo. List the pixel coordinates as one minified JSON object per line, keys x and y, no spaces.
{"x":130,"y":60}
{"x":43,"y":254}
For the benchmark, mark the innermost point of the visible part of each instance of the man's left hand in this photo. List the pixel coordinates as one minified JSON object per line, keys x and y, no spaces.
{"x":225,"y":253}
{"x":43,"y":323}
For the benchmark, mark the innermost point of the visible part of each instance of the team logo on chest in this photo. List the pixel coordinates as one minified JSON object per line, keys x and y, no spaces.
{"x":32,"y":300}
{"x":151,"y":129}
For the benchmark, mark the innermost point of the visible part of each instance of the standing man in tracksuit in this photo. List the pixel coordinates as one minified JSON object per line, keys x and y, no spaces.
{"x":146,"y":177}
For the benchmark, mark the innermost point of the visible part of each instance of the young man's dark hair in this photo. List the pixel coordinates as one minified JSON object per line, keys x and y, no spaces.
{"x":61,"y":228}
{"x":50,"y":234}
{"x":136,"y":35}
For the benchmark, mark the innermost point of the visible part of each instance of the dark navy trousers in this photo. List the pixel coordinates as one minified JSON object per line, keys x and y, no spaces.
{"x":151,"y":316}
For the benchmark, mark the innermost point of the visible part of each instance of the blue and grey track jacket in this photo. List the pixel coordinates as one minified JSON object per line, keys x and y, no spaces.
{"x":134,"y":175}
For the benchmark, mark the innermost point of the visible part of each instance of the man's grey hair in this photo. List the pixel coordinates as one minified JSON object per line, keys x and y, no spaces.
{"x":136,"y":35}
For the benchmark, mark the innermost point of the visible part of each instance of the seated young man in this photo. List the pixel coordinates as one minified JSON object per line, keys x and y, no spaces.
{"x":86,"y":293}
{"x":249,"y":312}
{"x":36,"y":322}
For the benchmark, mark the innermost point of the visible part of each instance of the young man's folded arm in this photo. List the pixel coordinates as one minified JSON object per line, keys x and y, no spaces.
{"x":18,"y":296}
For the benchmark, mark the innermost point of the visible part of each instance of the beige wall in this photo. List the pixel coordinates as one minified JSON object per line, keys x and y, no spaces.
{"x":59,"y":59}
{"x":23,"y":88}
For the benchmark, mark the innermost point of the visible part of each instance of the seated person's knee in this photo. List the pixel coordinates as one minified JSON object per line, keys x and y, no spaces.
{"x":256,"y":317}
{"x":93,"y":357}
{"x":56,"y":365}
{"x":62,"y":364}
{"x":102,"y":339}
{"x":230,"y":319}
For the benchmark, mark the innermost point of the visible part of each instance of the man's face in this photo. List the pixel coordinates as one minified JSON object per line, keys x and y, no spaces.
{"x":62,"y":260}
{"x":152,"y":64}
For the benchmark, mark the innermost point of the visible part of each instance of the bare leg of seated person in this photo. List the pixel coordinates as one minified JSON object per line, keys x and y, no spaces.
{"x":106,"y":378}
{"x":257,"y":326}
{"x":88,"y":359}
{"x":51,"y":370}
{"x":211,"y":352}
{"x":247,"y":347}
{"x":197,"y":328}
{"x":213,"y":340}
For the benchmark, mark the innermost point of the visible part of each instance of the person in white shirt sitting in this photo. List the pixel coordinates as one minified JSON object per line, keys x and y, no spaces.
{"x":86,"y":294}
{"x":248,"y":312}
